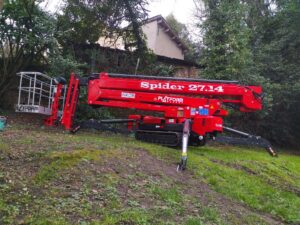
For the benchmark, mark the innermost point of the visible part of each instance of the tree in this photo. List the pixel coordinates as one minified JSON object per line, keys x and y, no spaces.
{"x":180,"y":29}
{"x":26,"y":35}
{"x":258,"y":41}
{"x":226,"y":54}
{"x":135,"y":13}
{"x":278,"y":59}
{"x":86,"y":21}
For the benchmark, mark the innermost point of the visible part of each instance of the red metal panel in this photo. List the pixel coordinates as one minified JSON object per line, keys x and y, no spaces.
{"x":155,"y":99}
{"x":51,"y":120}
{"x":207,"y":124}
{"x":233,"y":93}
{"x":71,"y":102}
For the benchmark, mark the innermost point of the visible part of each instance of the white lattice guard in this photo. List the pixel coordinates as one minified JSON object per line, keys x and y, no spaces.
{"x":36,"y":92}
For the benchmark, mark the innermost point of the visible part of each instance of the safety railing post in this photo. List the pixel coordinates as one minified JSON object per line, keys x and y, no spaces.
{"x":29,"y":91}
{"x":34,"y":85}
{"x":50,"y":94}
{"x":20,"y":88}
{"x":41,"y":92}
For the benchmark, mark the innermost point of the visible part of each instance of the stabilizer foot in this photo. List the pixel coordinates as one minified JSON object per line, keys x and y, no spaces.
{"x":248,"y":139}
{"x":182,"y":165}
{"x":185,"y":139}
{"x":271,"y":151}
{"x":75,"y":129}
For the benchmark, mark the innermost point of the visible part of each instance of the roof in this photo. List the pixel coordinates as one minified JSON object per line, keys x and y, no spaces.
{"x":164,"y":24}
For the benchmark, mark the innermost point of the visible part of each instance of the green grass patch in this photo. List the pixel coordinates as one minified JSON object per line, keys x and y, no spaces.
{"x":4,"y":147}
{"x":249,"y":176}
{"x":129,"y":216}
{"x":283,"y":171}
{"x":46,"y":220}
{"x":195,"y":221}
{"x":208,"y":215}
{"x":8,"y":212}
{"x":61,"y":161}
{"x":251,"y":189}
{"x":169,"y":195}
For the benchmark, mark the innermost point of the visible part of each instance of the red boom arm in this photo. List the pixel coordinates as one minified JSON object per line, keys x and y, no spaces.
{"x":178,"y":99}
{"x":135,"y":91}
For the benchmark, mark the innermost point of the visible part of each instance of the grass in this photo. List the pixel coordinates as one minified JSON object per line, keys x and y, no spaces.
{"x":250,"y":176}
{"x":263,"y":190}
{"x":132,"y":216}
{"x":50,"y":177}
{"x":7,"y":211}
{"x":4,"y":148}
{"x":46,"y":220}
{"x":61,"y":161}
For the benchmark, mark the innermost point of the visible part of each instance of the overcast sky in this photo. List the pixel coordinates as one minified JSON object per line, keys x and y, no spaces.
{"x":182,"y":9}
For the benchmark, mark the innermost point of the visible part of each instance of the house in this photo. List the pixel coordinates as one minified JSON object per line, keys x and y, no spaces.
{"x":164,"y":43}
{"x":162,"y":40}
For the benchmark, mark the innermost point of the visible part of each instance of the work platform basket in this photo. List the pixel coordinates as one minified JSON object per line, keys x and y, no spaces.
{"x":36,"y":93}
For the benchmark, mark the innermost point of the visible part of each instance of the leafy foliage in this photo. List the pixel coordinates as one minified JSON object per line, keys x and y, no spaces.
{"x":82,"y":23}
{"x":101,"y":19}
{"x":26,"y":35}
{"x":258,"y":43}
{"x":61,"y":64}
{"x":227,"y":54}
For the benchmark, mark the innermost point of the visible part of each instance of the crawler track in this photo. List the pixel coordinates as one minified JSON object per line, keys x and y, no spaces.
{"x":166,"y":138}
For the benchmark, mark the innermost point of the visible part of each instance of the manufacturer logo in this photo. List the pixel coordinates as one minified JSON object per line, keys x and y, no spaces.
{"x":167,"y":99}
{"x":27,"y":108}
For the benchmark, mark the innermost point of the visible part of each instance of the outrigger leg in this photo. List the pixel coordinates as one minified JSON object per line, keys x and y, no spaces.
{"x":253,"y":140}
{"x":185,"y":139}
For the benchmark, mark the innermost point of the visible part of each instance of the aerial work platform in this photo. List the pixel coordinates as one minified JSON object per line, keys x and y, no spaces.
{"x":37,"y":93}
{"x":182,"y":111}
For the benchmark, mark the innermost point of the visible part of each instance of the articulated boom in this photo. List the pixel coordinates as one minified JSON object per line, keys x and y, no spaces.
{"x":165,"y":91}
{"x":179,"y":99}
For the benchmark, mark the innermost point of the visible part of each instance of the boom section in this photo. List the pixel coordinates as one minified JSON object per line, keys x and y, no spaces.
{"x":117,"y":90}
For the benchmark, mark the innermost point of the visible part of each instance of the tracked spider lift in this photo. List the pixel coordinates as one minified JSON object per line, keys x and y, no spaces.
{"x":192,"y":109}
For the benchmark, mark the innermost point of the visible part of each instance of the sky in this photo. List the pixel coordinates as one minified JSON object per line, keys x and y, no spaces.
{"x":181,"y":9}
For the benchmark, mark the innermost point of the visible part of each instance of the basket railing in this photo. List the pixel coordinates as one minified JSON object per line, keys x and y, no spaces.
{"x":36,"y":92}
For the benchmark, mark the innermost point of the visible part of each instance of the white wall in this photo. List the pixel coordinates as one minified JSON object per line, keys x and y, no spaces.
{"x":156,"y":38}
{"x":150,"y":30}
{"x":160,"y":42}
{"x":166,"y":46}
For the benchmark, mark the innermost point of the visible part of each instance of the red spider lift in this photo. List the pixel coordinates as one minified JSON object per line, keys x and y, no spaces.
{"x":192,"y":109}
